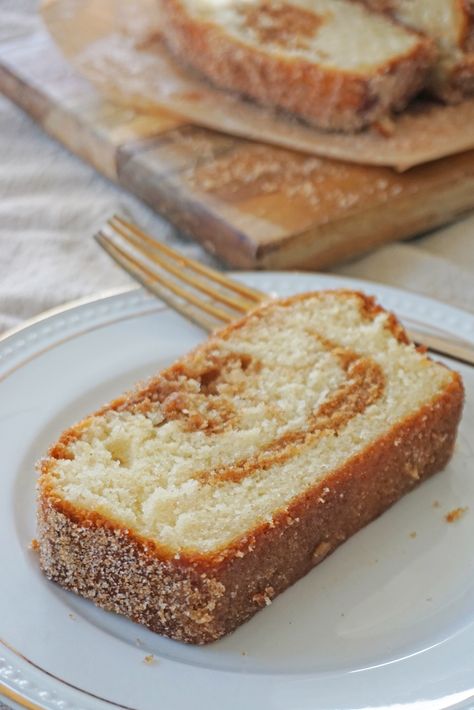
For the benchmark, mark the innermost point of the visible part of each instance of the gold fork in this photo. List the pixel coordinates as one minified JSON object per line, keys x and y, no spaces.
{"x":206,"y":296}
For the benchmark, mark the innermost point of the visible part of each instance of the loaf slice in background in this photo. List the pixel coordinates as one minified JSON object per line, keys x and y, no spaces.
{"x":451,"y":24}
{"x":190,"y":503}
{"x":333,"y":63}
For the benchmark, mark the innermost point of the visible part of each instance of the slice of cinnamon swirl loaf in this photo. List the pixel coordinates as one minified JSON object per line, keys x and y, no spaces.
{"x":333,"y":63}
{"x":188,"y":504}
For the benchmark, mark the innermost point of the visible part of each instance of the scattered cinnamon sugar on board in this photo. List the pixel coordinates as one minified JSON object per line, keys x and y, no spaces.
{"x":413,"y":534}
{"x":455,"y":514}
{"x":436,"y":504}
{"x":34,"y":545}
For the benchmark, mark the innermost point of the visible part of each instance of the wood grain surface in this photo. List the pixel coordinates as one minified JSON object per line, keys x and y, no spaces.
{"x":251,"y":204}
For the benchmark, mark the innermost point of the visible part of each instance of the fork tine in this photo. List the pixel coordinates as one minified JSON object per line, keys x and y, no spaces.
{"x":237,"y":304}
{"x":250,"y":293}
{"x":190,"y":307}
{"x":194,"y":308}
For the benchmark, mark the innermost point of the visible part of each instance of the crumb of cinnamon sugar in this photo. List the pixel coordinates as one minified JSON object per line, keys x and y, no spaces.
{"x":150,"y":660}
{"x":243,"y":653}
{"x":72,"y":616}
{"x":34,"y":545}
{"x":455,"y":514}
{"x":413,"y":534}
{"x":436,"y":504}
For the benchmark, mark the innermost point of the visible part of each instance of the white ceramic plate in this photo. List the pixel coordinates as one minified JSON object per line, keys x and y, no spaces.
{"x":387,"y":621}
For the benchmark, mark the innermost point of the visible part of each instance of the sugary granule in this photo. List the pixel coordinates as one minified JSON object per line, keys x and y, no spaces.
{"x":455,"y":514}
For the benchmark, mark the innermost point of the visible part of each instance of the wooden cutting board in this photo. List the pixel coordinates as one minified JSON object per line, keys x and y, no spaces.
{"x":253,"y":205}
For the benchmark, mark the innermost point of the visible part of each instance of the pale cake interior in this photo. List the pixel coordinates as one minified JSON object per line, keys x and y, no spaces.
{"x":248,"y":423}
{"x":338,"y":34}
{"x":440,"y":19}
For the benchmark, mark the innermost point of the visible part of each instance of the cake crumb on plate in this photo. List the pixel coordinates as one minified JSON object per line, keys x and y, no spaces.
{"x":455,"y":514}
{"x":150,"y":660}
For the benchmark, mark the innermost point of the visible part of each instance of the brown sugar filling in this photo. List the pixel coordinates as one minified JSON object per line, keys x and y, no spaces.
{"x":364,"y":385}
{"x":191,"y":394}
{"x":282,"y":24}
